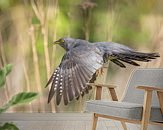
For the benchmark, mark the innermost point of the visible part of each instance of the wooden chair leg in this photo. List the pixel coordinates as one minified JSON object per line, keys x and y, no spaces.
{"x":94,"y":123}
{"x":146,"y":110}
{"x":113,"y":94}
{"x":160,"y":98}
{"x":98,"y":93}
{"x":124,"y":125}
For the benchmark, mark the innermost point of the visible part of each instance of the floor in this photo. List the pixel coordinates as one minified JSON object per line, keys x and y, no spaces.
{"x":59,"y":121}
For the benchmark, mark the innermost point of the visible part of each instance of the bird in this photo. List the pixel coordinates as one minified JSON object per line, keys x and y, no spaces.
{"x":81,"y":62}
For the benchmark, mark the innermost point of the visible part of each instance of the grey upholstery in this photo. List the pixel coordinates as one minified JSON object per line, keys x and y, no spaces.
{"x":131,"y":105}
{"x":125,"y":110}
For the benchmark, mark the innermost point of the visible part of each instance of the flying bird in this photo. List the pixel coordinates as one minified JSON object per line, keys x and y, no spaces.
{"x":81,"y":62}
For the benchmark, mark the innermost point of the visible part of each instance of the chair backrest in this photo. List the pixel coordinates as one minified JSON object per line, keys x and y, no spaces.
{"x":148,"y":77}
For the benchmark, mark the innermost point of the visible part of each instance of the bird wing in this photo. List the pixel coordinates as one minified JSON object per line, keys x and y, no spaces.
{"x":118,"y":53}
{"x":75,"y":70}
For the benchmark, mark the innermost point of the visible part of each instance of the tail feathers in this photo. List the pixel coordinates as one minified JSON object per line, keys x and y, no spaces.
{"x":143,"y":56}
{"x":148,"y":54}
{"x":117,"y":62}
{"x":131,"y":57}
{"x":129,"y":61}
{"x":137,"y":58}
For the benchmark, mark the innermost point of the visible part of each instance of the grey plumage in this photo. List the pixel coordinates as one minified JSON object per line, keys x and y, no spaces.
{"x":81,"y":61}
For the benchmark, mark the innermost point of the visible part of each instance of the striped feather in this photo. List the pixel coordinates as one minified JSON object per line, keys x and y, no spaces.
{"x":54,"y":85}
{"x":65,"y":94}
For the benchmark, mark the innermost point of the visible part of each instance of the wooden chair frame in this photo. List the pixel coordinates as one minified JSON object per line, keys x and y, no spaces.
{"x":146,"y":106}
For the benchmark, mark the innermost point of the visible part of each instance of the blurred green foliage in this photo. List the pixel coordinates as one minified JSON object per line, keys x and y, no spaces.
{"x":3,"y":73}
{"x":35,"y":20}
{"x":18,"y":99}
{"x":8,"y":126}
{"x":6,"y":4}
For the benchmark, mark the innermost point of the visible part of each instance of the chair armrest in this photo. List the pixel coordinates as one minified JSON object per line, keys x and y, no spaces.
{"x":102,"y":85}
{"x":147,"y":88}
{"x":111,"y":89}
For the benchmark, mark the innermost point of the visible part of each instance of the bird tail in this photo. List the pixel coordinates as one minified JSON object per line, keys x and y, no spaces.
{"x":139,"y":56}
{"x":133,"y":56}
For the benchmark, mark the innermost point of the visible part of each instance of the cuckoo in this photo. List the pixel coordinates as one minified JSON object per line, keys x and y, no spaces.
{"x":81,"y":62}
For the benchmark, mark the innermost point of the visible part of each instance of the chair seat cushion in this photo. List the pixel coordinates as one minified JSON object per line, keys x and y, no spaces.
{"x":125,"y":110}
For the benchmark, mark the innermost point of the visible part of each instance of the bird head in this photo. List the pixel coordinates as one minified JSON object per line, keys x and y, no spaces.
{"x":66,"y":42}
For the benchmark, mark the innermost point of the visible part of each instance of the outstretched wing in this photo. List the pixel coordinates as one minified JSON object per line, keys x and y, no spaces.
{"x":118,"y":53}
{"x":75,"y":70}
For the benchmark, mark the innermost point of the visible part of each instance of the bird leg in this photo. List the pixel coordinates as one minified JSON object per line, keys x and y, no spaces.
{"x":100,"y":71}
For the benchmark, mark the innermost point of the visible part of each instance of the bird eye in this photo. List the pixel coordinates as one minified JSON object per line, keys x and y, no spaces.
{"x":61,"y":41}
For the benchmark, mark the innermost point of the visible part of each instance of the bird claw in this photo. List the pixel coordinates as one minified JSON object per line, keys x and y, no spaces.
{"x":100,"y":71}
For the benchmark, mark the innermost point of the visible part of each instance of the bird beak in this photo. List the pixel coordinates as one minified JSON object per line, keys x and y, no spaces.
{"x":56,"y":42}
